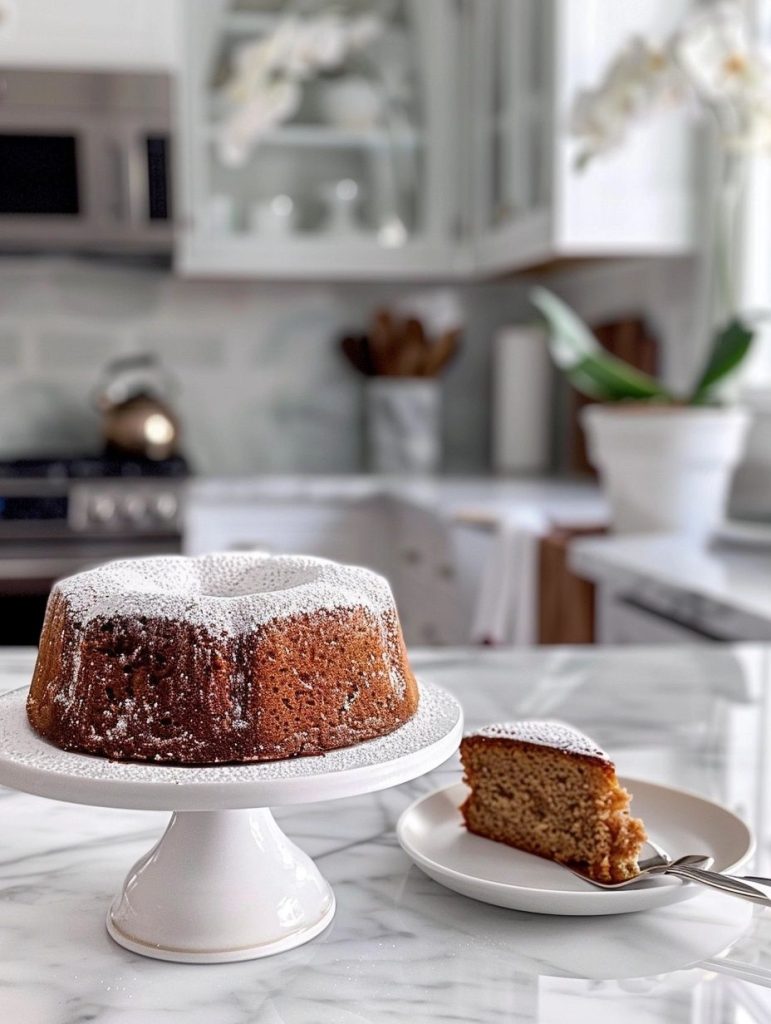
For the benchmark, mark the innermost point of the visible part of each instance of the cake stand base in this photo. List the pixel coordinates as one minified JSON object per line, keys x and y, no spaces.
{"x":224,"y":883}
{"x":221,"y":886}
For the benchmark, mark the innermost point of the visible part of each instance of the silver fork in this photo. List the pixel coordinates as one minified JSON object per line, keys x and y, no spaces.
{"x":691,"y":868}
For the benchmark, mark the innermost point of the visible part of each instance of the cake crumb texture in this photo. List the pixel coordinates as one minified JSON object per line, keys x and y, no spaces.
{"x":549,"y":790}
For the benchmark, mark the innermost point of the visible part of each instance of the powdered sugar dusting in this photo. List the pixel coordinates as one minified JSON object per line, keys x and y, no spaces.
{"x":545,"y":734}
{"x":227,"y":593}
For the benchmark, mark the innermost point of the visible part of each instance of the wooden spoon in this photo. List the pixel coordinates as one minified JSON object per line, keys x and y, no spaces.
{"x":442,"y":352}
{"x":414,"y":350}
{"x":381,"y":343}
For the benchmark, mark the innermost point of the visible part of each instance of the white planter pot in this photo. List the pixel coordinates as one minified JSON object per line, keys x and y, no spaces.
{"x":665,"y":469}
{"x":403,"y":425}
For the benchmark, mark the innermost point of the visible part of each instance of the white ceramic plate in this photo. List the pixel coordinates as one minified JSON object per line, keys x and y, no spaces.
{"x":431,"y":831}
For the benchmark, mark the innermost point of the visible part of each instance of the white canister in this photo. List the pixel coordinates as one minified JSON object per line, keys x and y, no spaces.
{"x":665,"y":469}
{"x":403,"y":425}
{"x":219,"y":215}
{"x":274,"y":218}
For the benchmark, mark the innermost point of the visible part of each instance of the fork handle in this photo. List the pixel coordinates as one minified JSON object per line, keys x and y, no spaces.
{"x":725,"y":883}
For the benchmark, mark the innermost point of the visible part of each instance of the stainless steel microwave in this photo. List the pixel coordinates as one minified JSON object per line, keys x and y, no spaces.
{"x":85,"y":161}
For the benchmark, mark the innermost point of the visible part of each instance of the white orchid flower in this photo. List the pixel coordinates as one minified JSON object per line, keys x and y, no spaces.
{"x":284,"y":43}
{"x":252,"y":70}
{"x":639,"y":80}
{"x":713,"y":58}
{"x":264,"y":89}
{"x":328,"y":41}
{"x":730,"y":74}
{"x":271,"y":106}
{"x":716,"y":53}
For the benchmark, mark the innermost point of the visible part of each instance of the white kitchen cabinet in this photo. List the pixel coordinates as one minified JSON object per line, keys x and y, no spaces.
{"x":405,"y":541}
{"x":473,"y":163}
{"x":402,"y":163}
{"x":89,"y":34}
{"x":530,"y":203}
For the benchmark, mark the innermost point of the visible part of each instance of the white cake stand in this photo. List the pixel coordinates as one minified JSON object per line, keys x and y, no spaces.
{"x":224,"y":883}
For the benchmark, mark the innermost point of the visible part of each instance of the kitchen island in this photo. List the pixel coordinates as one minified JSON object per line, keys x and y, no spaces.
{"x":401,"y":947}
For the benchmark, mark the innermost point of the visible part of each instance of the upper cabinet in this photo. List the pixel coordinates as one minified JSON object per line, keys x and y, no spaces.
{"x":360,"y":139}
{"x":89,"y":34}
{"x":440,"y":147}
{"x":320,"y":146}
{"x":530,"y":203}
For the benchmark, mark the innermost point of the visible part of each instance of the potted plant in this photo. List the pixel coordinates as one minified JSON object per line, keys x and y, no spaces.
{"x":666,"y":459}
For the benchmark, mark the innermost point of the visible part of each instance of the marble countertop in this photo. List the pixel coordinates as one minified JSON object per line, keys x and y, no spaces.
{"x":731,"y":576}
{"x":563,"y":500}
{"x":401,"y":947}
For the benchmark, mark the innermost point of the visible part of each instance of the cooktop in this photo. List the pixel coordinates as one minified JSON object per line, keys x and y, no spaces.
{"x":92,"y":467}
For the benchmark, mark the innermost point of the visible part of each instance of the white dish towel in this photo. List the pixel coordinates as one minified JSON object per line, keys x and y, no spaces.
{"x":507,"y":608}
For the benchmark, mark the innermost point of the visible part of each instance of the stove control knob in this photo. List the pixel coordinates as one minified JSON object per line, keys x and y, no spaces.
{"x":102,"y":509}
{"x":134,"y":508}
{"x":165,"y":507}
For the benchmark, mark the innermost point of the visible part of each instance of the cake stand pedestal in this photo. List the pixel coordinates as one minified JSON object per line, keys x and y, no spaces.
{"x":224,"y":883}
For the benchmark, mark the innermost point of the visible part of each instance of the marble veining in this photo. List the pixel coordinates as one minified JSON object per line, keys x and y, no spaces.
{"x":401,"y":947}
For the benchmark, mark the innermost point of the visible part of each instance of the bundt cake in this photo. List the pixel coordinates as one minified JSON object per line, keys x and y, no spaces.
{"x":223,"y":658}
{"x":548,"y":789}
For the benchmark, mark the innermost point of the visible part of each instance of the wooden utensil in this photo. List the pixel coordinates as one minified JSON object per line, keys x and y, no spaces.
{"x":399,"y":348}
{"x":356,"y":350}
{"x":382,"y":346}
{"x":441,"y":353}
{"x":413,"y":351}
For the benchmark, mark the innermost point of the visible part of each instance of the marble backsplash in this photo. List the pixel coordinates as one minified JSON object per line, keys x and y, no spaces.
{"x":261,"y":385}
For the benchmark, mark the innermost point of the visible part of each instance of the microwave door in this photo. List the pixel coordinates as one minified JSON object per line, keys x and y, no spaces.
{"x":47,"y":166}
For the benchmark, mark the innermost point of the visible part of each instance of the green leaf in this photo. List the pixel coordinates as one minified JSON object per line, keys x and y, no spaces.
{"x":729,"y":349}
{"x":588,"y":366}
{"x":608,"y":379}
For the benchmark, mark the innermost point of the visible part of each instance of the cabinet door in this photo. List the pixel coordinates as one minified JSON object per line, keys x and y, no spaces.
{"x":89,"y":34}
{"x":512,"y":101}
{"x":532,"y":203}
{"x":359,"y":180}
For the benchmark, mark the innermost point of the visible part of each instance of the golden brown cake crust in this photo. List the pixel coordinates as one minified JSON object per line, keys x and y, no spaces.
{"x":598,"y":758}
{"x":151,"y":688}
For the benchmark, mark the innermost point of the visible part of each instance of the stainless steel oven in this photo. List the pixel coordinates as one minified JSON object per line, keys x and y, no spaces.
{"x":85,"y":161}
{"x":59,"y":516}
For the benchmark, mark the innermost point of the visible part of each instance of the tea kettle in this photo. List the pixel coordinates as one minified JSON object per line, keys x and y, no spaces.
{"x":137,"y":418}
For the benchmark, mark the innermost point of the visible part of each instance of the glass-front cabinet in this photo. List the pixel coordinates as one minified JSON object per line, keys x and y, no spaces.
{"x":318,"y":139}
{"x":512,"y":102}
{"x":415,"y":139}
{"x":532,"y":203}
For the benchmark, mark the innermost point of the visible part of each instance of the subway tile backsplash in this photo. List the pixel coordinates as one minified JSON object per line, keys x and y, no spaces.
{"x":260,"y":385}
{"x":259,"y":382}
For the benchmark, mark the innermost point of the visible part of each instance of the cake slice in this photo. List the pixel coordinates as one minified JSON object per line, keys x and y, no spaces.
{"x":548,"y":789}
